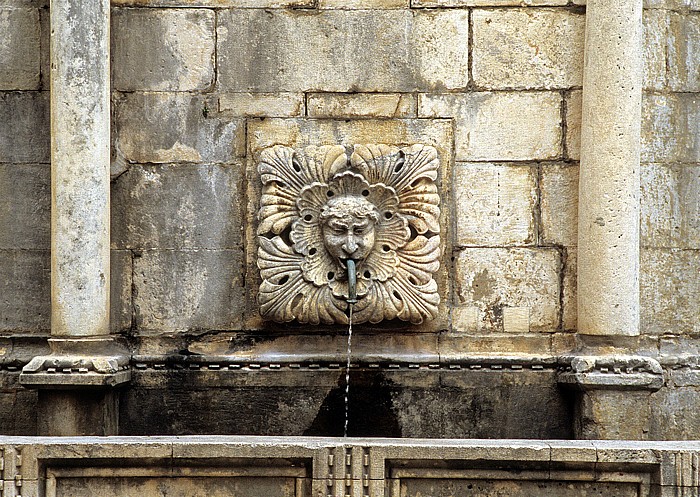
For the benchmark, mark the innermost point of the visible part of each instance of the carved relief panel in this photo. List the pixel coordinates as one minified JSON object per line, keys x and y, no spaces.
{"x":379,"y":209}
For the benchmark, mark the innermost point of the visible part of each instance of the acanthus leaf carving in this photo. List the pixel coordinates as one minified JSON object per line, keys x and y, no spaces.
{"x":380,"y":207}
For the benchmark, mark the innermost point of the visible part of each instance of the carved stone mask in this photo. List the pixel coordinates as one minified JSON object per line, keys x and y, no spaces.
{"x":318,"y":209}
{"x":348,"y":223}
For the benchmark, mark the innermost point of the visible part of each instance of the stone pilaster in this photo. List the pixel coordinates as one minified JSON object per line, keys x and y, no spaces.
{"x":82,"y":353}
{"x":608,"y":213}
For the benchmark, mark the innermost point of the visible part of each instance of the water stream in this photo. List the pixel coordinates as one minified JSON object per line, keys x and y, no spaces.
{"x":347,"y":375}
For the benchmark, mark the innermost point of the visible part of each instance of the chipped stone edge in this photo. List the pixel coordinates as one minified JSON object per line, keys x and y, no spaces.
{"x":612,"y":372}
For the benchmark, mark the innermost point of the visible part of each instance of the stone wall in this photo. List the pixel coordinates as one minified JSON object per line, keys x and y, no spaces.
{"x":199,"y":87}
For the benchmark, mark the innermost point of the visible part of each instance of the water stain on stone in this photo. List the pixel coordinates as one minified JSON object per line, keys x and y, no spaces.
{"x":482,"y":285}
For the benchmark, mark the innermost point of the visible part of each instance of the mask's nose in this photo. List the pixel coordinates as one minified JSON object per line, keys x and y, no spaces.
{"x":350,"y":245}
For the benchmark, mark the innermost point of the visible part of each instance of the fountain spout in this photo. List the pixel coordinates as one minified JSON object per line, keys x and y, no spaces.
{"x":352,"y":281}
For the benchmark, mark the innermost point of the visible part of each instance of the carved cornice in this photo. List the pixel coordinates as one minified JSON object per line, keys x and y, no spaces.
{"x":76,"y":363}
{"x":612,"y":372}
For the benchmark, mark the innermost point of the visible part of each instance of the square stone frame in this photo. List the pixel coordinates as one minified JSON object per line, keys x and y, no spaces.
{"x":299,"y":133}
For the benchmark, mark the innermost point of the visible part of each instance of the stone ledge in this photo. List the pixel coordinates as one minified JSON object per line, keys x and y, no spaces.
{"x":77,"y":363}
{"x":615,"y":372}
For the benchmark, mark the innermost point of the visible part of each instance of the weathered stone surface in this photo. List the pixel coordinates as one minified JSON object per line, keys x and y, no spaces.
{"x":25,"y":206}
{"x":361,"y":105}
{"x":177,"y":207}
{"x":268,"y":51}
{"x":684,"y":52}
{"x":656,"y":33}
{"x":492,"y":279}
{"x":152,"y":485}
{"x":500,"y":126}
{"x":670,"y":213}
{"x":671,"y":128}
{"x":162,"y":49}
{"x":242,"y":4}
{"x":25,"y":305}
{"x":188,"y":290}
{"x":559,"y":204}
{"x":299,"y":133}
{"x":120,"y":290}
{"x":573,"y":124}
{"x":527,"y":48}
{"x":487,"y":3}
{"x":19,"y":49}
{"x":614,"y":415}
{"x":513,"y":488}
{"x":569,"y":303}
{"x":262,"y":104}
{"x":668,"y":296}
{"x":24,"y":135}
{"x":363,"y":4}
{"x":675,"y":415}
{"x":167,"y":127}
{"x":495,"y":204}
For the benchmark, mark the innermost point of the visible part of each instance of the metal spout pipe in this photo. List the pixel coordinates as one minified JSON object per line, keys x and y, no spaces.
{"x":352,"y":281}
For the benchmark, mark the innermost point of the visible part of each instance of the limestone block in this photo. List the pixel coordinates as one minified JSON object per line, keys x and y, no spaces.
{"x":19,"y":49}
{"x":671,"y":128}
{"x":559,"y":204}
{"x":177,"y":207}
{"x":670,"y":291}
{"x":670,"y":213}
{"x":162,"y":49}
{"x":242,"y":4}
{"x":24,"y":134}
{"x":25,"y":305}
{"x":363,"y":4}
{"x":120,"y":290}
{"x":656,"y":33}
{"x":262,"y":104}
{"x":25,"y":206}
{"x":516,"y":319}
{"x":495,"y":278}
{"x":167,"y":127}
{"x":495,"y":204}
{"x":500,"y":126}
{"x":572,"y":104}
{"x":188,"y":290}
{"x":675,"y":415}
{"x":299,"y":133}
{"x":340,"y":51}
{"x":487,"y":3}
{"x":569,"y":295}
{"x":361,"y":105}
{"x":684,"y":52}
{"x":527,"y":48}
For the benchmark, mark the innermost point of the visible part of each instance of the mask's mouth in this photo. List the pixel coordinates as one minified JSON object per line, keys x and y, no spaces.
{"x":352,"y":281}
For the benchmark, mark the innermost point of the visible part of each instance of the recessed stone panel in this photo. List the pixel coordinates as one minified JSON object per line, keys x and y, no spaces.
{"x":399,"y":50}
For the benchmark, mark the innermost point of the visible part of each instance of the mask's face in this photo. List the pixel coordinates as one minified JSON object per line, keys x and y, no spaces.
{"x":349,"y":235}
